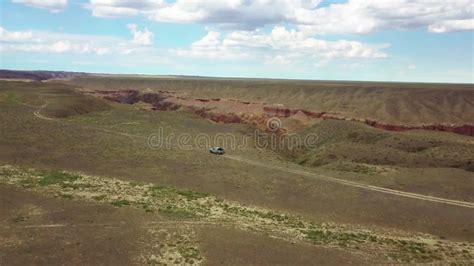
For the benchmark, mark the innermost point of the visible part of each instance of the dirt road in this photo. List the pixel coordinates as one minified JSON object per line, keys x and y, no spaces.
{"x":354,"y":184}
{"x":296,"y":171}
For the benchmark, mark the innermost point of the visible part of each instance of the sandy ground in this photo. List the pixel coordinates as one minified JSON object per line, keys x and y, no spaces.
{"x":35,"y":230}
{"x":225,"y":246}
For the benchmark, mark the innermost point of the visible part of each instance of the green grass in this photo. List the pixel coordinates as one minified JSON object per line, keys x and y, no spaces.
{"x":120,"y":203}
{"x":167,"y":191}
{"x":27,"y":183}
{"x":67,"y":196}
{"x":189,"y":254}
{"x":350,"y":142}
{"x":192,"y":195}
{"x":353,"y":168}
{"x":414,"y":247}
{"x":369,"y":137}
{"x":176,"y":213}
{"x":99,"y":197}
{"x":71,"y":103}
{"x":57,"y":177}
{"x":162,"y":191}
{"x":13,"y":97}
{"x":75,"y":186}
{"x":405,"y":250}
{"x":320,"y":236}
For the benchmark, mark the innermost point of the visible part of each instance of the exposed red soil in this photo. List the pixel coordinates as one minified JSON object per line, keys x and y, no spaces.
{"x":256,"y":113}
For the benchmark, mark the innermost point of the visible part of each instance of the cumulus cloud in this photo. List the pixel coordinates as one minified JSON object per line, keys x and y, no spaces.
{"x":279,"y":46}
{"x":452,"y":25}
{"x":366,"y":16}
{"x":58,"y":47}
{"x":53,"y":6}
{"x":14,"y":36}
{"x":352,"y":17}
{"x":120,"y":8}
{"x":278,"y":60}
{"x":60,"y":43}
{"x":243,"y":14}
{"x":144,"y":37}
{"x":211,"y":46}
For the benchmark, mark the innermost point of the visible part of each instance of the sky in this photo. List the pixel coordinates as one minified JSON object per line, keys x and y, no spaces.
{"x":373,"y":40}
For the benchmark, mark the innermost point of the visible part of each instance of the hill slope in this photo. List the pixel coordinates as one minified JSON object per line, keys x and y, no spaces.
{"x":396,"y":103}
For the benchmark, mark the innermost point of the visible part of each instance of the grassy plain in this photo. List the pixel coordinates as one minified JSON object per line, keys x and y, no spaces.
{"x":48,"y":128}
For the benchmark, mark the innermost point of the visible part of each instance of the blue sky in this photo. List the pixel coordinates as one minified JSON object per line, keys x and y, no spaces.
{"x":327,"y":40}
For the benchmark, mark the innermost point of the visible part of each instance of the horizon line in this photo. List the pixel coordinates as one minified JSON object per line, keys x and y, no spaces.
{"x":236,"y":77}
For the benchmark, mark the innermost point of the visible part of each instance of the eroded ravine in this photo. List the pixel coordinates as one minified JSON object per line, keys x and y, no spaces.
{"x":256,"y":113}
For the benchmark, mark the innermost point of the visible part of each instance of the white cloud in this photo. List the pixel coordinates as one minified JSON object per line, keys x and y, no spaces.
{"x":121,"y":8}
{"x":57,"y":47}
{"x":211,"y":46}
{"x":452,"y":25}
{"x":53,"y":6}
{"x":353,"y":17}
{"x":365,"y":16}
{"x":278,"y":60}
{"x":61,"y":46}
{"x":211,"y":39}
{"x":242,"y":14}
{"x":352,"y":66}
{"x":13,"y":36}
{"x":279,"y":46}
{"x":60,"y":43}
{"x":111,"y":11}
{"x":144,"y":37}
{"x":412,"y":67}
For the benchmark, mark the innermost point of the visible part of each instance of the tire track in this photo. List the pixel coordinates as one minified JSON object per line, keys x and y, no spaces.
{"x":38,"y":114}
{"x":111,"y":224}
{"x":464,"y":204}
{"x":355,"y":184}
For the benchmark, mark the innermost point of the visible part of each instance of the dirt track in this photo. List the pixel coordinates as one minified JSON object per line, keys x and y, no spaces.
{"x":295,"y":171}
{"x":355,"y":184}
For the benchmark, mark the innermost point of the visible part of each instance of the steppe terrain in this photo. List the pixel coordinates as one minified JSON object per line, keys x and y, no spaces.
{"x":389,"y":177}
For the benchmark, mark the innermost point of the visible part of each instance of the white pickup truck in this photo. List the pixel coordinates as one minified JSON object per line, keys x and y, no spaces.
{"x":217,"y":150}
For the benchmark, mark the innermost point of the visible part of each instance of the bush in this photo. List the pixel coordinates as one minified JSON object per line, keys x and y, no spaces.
{"x":58,"y":177}
{"x":121,"y":203}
